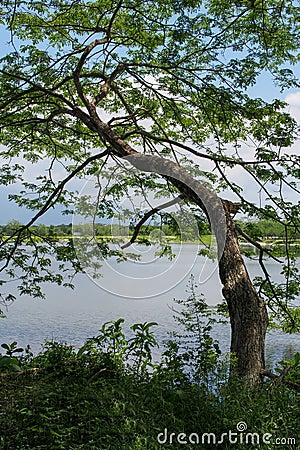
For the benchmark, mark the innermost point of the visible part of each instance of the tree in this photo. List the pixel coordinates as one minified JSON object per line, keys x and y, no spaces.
{"x":90,"y":83}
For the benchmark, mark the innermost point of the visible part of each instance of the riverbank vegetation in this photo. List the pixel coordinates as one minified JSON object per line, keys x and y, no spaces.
{"x":263,"y":230}
{"x":59,"y":405}
{"x":109,"y":394}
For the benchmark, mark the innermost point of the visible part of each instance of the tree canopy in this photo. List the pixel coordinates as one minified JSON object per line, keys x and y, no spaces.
{"x":85,"y":84}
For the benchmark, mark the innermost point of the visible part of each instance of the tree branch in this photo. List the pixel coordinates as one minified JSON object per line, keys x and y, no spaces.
{"x":105,"y":88}
{"x":149,"y":214}
{"x":38,"y":88}
{"x":263,"y":250}
{"x":256,"y":244}
{"x":280,"y":379}
{"x":118,"y":7}
{"x":82,"y":60}
{"x":51,"y":200}
{"x":192,"y":150}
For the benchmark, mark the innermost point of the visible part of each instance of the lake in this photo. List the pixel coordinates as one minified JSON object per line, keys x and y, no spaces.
{"x":138,"y":291}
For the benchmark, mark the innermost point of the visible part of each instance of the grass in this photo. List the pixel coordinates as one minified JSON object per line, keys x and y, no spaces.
{"x":63,"y":400}
{"x":64,"y":411}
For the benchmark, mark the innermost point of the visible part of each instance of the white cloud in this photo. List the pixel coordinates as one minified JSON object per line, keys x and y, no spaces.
{"x":293,"y":100}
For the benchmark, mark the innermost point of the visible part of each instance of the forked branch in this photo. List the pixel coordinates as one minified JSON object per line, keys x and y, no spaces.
{"x":280,"y":379}
{"x":150,"y":214}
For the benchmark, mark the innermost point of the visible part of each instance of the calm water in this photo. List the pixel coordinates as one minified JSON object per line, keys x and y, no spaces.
{"x":138,"y":292}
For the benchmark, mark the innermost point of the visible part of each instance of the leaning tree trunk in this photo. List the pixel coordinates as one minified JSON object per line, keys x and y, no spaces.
{"x":248,"y":315}
{"x":247,"y":310}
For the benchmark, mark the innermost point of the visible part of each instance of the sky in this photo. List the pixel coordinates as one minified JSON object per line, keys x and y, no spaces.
{"x":264,"y":88}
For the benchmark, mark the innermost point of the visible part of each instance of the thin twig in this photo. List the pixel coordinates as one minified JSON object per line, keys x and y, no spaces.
{"x":149,"y":214}
{"x":280,"y":379}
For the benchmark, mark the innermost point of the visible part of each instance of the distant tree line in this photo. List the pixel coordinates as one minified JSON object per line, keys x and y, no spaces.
{"x":267,"y":228}
{"x":259,"y":230}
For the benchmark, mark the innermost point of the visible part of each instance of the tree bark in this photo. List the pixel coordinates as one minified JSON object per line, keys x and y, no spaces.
{"x":247,"y":311}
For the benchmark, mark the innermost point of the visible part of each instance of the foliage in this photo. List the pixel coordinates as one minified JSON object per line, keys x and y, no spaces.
{"x":63,"y":398}
{"x":282,"y":299}
{"x":293,"y":364}
{"x":9,"y":361}
{"x":12,"y":348}
{"x":86,"y":83}
{"x":194,"y":346}
{"x":141,"y":345}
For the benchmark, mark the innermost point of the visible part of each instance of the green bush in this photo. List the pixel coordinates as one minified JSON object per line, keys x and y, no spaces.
{"x":110,"y":395}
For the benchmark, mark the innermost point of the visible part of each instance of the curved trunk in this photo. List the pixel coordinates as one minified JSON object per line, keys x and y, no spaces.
{"x":247,"y":311}
{"x":248,"y":314}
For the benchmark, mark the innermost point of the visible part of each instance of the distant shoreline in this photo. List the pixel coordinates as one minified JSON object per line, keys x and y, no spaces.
{"x":271,"y":243}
